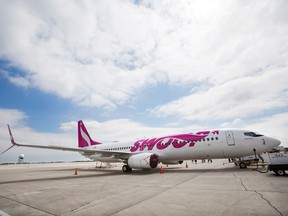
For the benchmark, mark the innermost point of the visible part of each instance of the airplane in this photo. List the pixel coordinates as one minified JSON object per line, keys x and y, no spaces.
{"x":172,"y":149}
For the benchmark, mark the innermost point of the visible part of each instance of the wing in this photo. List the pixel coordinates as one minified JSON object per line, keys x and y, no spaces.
{"x":83,"y":151}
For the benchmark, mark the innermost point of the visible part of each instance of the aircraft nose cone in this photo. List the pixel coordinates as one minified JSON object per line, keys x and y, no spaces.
{"x":277,"y":142}
{"x":274,"y":142}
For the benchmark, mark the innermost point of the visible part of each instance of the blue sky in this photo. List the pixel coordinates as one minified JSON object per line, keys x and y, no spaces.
{"x":139,"y":68}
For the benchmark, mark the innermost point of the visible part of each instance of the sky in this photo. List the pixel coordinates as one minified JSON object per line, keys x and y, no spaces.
{"x":143,"y":68}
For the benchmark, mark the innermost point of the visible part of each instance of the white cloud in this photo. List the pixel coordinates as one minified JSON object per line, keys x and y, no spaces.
{"x":239,"y":98}
{"x":12,"y":117}
{"x":99,"y":53}
{"x":236,"y":123}
{"x":92,"y":53}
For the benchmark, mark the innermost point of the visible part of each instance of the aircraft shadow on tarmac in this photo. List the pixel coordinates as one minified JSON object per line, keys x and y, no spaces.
{"x":102,"y":172}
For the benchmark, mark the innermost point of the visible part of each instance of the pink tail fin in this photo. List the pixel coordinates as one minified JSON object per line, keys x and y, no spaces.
{"x":84,"y":138}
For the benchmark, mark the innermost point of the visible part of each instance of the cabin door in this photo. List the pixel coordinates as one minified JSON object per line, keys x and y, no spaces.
{"x":230,"y":138}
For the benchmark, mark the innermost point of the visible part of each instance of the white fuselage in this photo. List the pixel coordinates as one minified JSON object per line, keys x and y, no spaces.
{"x":209,"y":144}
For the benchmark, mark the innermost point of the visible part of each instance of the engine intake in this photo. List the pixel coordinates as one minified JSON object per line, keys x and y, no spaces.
{"x":143,"y":161}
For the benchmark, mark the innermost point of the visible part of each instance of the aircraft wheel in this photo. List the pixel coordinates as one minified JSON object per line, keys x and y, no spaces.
{"x":280,"y":172}
{"x":126,"y":168}
{"x":242,"y":165}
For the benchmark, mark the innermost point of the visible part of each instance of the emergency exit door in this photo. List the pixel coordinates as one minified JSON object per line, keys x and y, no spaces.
{"x":230,"y":138}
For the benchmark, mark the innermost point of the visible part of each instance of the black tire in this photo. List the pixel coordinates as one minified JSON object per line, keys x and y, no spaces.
{"x":126,"y":168}
{"x":242,"y":165}
{"x":280,"y":172}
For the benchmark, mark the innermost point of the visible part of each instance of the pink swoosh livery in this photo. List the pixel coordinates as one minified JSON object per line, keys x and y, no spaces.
{"x":177,"y":141}
{"x":171,"y":149}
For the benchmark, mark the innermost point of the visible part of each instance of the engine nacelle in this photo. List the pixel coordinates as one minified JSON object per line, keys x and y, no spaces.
{"x":143,"y":161}
{"x":172,"y":162}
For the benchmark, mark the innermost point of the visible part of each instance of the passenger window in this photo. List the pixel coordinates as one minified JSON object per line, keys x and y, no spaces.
{"x":204,"y":139}
{"x":216,"y":138}
{"x":207,"y":139}
{"x":212,"y":138}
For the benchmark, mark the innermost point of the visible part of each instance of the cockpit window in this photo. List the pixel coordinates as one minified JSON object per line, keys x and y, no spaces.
{"x":252,"y":134}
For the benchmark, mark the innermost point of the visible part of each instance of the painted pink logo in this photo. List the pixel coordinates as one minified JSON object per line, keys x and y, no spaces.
{"x":177,"y":141}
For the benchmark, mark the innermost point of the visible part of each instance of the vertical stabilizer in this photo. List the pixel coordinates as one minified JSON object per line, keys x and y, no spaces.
{"x":84,"y":139}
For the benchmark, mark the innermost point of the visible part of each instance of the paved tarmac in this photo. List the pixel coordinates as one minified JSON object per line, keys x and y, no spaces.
{"x":201,"y":189}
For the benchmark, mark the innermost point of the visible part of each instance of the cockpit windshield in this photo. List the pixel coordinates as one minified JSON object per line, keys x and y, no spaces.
{"x":252,"y":134}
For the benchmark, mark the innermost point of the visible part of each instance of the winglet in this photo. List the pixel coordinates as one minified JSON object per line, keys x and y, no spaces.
{"x":12,"y":140}
{"x":11,"y":136}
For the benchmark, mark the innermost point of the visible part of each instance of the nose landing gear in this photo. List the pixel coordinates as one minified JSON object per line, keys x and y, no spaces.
{"x":242,"y":165}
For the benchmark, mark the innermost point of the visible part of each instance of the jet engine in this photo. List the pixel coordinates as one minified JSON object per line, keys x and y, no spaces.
{"x":143,"y":161}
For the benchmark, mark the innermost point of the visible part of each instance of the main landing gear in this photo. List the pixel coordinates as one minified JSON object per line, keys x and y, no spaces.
{"x":126,"y":168}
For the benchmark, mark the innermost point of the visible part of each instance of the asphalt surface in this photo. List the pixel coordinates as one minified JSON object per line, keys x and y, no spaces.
{"x":200,"y":189}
